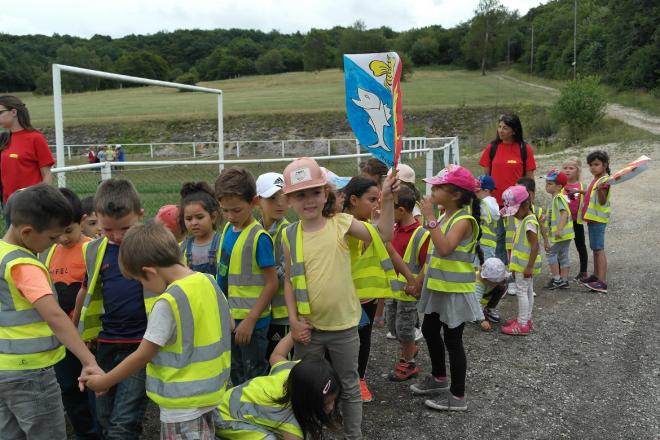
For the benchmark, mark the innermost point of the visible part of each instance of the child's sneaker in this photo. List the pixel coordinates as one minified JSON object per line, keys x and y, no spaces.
{"x":418,"y":334}
{"x":550,"y":284}
{"x":516,"y":329}
{"x":447,"y":402}
{"x":389,"y":335}
{"x":589,"y":279}
{"x":562,"y":284}
{"x":492,"y":315}
{"x":597,"y":286}
{"x":579,"y":278}
{"x":364,"y":391}
{"x":404,"y":371}
{"x":429,"y":385}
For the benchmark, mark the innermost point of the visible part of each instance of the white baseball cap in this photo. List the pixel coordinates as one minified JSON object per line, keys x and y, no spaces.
{"x":268,"y":184}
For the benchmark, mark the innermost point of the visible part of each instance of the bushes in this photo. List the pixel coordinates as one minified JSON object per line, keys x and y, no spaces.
{"x":581,"y":105}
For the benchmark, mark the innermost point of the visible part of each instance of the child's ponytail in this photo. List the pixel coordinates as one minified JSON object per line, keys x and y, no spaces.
{"x":329,"y":209}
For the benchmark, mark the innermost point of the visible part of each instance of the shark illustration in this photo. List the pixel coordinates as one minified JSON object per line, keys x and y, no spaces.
{"x":379,"y":114}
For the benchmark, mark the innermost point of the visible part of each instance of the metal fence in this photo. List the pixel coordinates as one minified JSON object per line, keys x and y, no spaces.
{"x":159,"y":181}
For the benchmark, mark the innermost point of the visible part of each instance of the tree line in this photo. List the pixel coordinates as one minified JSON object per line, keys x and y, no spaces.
{"x":618,"y":40}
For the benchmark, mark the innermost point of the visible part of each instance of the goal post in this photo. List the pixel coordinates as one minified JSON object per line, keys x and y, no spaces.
{"x":58,"y":115}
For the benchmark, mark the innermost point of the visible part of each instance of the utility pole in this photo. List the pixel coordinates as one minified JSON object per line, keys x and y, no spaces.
{"x":575,"y":40}
{"x":531,"y":56}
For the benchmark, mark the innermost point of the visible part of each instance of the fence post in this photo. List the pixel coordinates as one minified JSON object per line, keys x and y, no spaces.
{"x":457,"y":158}
{"x":282,"y":148}
{"x":106,"y":171}
{"x":194,"y":150}
{"x":151,"y":150}
{"x":429,"y":169}
{"x":68,"y":149}
{"x":329,"y":151}
{"x":357,"y":159}
{"x":238,"y":149}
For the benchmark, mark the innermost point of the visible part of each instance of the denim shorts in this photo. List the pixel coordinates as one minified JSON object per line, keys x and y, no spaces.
{"x":558,"y":253}
{"x":596,"y":236}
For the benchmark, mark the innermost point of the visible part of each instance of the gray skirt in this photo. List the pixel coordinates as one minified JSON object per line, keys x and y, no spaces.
{"x":454,"y":308}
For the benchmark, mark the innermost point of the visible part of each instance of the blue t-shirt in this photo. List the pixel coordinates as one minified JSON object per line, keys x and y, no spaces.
{"x":265,"y":258}
{"x":125,"y":318}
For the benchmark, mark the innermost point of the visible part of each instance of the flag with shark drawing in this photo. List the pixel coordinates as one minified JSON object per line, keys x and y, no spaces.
{"x":373,"y":103}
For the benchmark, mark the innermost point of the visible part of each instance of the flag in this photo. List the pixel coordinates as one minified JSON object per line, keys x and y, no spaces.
{"x":629,"y":171}
{"x":373,"y":103}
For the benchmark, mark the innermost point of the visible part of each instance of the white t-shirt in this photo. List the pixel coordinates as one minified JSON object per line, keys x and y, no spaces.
{"x":161,"y":330}
{"x":416,"y":211}
{"x":494,"y":209}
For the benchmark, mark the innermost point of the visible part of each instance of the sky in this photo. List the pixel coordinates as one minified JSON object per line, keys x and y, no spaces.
{"x":118,"y":18}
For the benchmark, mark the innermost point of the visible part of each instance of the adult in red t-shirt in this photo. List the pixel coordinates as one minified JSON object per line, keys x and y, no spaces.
{"x":507,"y":166}
{"x":25,"y":159}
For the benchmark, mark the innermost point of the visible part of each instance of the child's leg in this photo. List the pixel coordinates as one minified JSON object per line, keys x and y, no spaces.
{"x":457,"y":359}
{"x":201,"y":428}
{"x":390,"y":315}
{"x":522,"y":292}
{"x":237,"y":372}
{"x":581,"y":246}
{"x":530,"y":296}
{"x":600,"y":265}
{"x":405,"y":328}
{"x":564,"y":259}
{"x":253,"y":355}
{"x":31,"y":406}
{"x":496,"y":295}
{"x":365,"y":337}
{"x":78,"y":404}
{"x":343,"y":347}
{"x":551,"y":257}
{"x":597,"y":245}
{"x":431,"y":330}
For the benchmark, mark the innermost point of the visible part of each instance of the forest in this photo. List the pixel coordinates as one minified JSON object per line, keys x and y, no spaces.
{"x":617,"y":40}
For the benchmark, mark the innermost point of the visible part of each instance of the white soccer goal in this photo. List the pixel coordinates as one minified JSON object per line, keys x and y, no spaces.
{"x":59,"y":121}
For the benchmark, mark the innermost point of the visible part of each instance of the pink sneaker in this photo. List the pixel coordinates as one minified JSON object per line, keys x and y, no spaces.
{"x":516,"y":329}
{"x":508,"y":322}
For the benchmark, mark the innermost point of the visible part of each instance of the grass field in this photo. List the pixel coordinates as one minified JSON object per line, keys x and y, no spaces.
{"x":298,"y":92}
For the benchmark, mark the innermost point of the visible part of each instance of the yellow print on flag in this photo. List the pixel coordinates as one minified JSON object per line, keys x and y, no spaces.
{"x":380,"y":68}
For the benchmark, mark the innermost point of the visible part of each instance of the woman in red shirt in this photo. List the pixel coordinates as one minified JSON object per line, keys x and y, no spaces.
{"x":507,"y":165}
{"x":25,"y":159}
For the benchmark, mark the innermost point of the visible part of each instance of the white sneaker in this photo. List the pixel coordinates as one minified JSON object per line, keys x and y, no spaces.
{"x":389,"y":335}
{"x":418,"y":334}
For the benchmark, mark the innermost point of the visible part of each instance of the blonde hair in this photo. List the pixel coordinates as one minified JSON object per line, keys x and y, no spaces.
{"x":576,"y":162}
{"x":150,"y":245}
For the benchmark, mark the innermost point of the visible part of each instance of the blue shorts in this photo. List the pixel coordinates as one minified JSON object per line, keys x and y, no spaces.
{"x":596,"y":236}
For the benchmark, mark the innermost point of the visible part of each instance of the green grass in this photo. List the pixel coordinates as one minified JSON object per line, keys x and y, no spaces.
{"x":298,"y":92}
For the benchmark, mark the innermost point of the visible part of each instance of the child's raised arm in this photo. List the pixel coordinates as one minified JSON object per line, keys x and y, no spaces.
{"x":282,"y":350}
{"x":385,"y":220}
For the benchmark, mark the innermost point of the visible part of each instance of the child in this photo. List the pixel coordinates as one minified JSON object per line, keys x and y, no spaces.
{"x":65,"y":262}
{"x":295,"y":401}
{"x":246,"y":273}
{"x":324,"y":310}
{"x":491,"y":287}
{"x":448,"y":299}
{"x":112,"y":309}
{"x":33,"y":323}
{"x":198,"y":217}
{"x":406,"y":176}
{"x":170,"y":217}
{"x":571,"y":168}
{"x":558,"y":240}
{"x":490,"y":215}
{"x":273,"y":207}
{"x":411,"y":241}
{"x":89,"y":223}
{"x":596,"y":213}
{"x":186,"y":346}
{"x":525,"y":258}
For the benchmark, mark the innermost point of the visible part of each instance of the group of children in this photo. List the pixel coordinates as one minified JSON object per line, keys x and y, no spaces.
{"x":192,"y":315}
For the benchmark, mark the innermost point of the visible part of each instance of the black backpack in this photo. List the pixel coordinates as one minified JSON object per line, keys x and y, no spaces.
{"x":523,"y":156}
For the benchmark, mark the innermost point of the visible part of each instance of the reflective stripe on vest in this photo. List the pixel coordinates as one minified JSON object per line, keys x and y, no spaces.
{"x":254,"y":402}
{"x":89,"y":326}
{"x":510,"y":231}
{"x":193,"y":371}
{"x":595,"y":211}
{"x":411,"y":259}
{"x":522,"y":248}
{"x":244,"y":276}
{"x":26,"y":340}
{"x":292,"y":239}
{"x":371,"y":268}
{"x":454,"y":273}
{"x":488,"y":225}
{"x":558,"y":203}
{"x":277,"y":304}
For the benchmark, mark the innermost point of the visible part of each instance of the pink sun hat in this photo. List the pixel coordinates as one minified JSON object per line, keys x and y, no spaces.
{"x":513,"y":197}
{"x":455,"y":175}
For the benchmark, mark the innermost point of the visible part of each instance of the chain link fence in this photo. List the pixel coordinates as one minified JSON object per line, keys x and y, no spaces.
{"x":158,"y":182}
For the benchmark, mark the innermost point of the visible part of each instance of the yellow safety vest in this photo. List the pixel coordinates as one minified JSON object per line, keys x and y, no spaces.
{"x":371,"y":268}
{"x":411,"y":259}
{"x":558,"y":203}
{"x":595,"y":211}
{"x":193,"y":372}
{"x":246,"y":411}
{"x":277,"y":304}
{"x":92,"y":310}
{"x":522,"y":248}
{"x":26,"y":340}
{"x":244,"y":276}
{"x":488,"y":227}
{"x":454,"y":273}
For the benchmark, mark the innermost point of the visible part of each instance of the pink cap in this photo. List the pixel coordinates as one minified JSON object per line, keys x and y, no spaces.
{"x":456,"y":175}
{"x":513,"y":197}
{"x":303,"y":173}
{"x":168,"y":215}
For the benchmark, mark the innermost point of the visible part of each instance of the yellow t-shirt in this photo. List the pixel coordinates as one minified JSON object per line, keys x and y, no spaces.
{"x":332,"y":299}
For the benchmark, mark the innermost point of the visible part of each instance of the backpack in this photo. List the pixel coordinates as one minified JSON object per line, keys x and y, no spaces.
{"x":523,"y":157}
